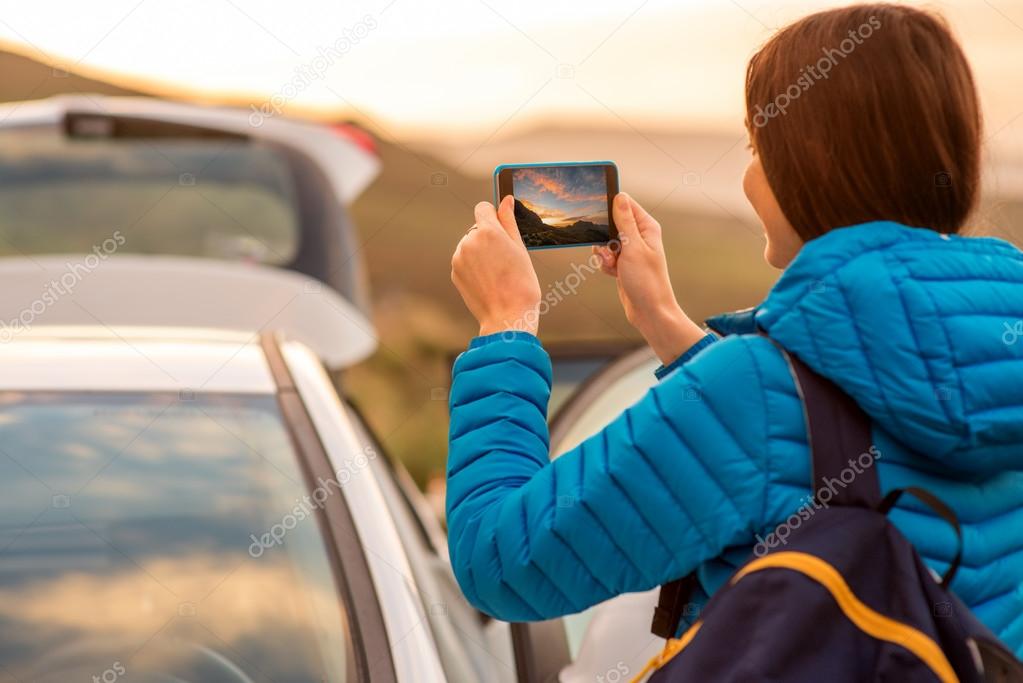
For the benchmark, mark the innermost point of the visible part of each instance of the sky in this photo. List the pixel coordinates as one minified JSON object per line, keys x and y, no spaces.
{"x":476,"y":67}
{"x":563,"y":195}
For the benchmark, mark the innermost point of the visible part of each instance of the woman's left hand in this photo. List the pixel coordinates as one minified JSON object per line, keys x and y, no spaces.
{"x":493,"y":272}
{"x":644,"y":287}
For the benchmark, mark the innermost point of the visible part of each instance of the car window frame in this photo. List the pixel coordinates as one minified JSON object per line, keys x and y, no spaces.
{"x":350,"y":567}
{"x":418,"y":526}
{"x":428,"y":528}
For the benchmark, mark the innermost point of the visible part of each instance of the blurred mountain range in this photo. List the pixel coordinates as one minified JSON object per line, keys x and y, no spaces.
{"x":27,"y":79}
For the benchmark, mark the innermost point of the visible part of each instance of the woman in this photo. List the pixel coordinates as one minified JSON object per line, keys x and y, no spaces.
{"x":866,"y":133}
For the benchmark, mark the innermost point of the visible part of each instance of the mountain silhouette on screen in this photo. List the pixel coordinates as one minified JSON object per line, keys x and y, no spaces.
{"x":536,"y":233}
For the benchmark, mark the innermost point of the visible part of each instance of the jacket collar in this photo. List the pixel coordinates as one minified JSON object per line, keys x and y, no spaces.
{"x":736,"y":322}
{"x":814,"y":263}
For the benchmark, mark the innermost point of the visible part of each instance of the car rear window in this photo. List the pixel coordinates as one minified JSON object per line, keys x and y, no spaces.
{"x":161,"y":538}
{"x":225,"y":198}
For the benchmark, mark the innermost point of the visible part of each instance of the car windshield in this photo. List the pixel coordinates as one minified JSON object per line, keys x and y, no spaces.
{"x":143,"y":535}
{"x":225,"y":198}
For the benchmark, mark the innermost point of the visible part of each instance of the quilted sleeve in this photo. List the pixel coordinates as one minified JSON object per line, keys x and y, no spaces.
{"x":670,"y":483}
{"x":665,"y":370}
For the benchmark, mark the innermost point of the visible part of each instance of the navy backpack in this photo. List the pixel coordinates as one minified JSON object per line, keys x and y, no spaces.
{"x":845,"y":598}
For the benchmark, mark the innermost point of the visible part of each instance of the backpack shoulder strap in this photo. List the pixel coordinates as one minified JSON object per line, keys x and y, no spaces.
{"x":671,"y":605}
{"x":841,"y":446}
{"x":842,"y":459}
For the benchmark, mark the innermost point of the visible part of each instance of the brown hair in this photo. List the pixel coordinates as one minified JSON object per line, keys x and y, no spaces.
{"x":864,"y":113}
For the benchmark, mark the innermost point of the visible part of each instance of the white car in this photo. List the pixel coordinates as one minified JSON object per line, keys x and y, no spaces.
{"x":196,"y":501}
{"x":186,"y":493}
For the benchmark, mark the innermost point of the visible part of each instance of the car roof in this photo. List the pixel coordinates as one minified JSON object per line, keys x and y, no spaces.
{"x":173,"y":292}
{"x":150,"y":359}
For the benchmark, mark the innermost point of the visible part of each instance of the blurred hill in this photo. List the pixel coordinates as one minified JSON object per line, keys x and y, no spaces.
{"x":27,"y":79}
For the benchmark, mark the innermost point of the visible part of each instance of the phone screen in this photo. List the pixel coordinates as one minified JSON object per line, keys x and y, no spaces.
{"x":561,"y":205}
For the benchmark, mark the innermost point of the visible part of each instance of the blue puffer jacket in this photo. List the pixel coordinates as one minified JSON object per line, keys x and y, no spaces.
{"x":921,"y":329}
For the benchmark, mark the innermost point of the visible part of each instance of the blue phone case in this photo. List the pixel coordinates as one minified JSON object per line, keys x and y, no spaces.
{"x":542,"y":164}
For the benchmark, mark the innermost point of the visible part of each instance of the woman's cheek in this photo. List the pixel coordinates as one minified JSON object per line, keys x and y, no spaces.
{"x":747,"y":182}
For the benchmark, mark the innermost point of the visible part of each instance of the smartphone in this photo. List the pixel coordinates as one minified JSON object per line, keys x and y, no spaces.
{"x":565,"y":204}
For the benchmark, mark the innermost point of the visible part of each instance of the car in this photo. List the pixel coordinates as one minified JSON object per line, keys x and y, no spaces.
{"x":188,"y":495}
{"x":183,"y":179}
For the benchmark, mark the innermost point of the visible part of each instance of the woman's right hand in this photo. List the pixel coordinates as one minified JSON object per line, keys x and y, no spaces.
{"x":644,"y":287}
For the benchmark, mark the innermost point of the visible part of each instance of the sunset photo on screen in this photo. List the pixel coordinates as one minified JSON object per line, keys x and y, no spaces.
{"x":561,"y":205}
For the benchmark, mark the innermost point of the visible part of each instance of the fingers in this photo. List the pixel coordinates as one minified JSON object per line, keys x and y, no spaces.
{"x":625,"y":220}
{"x":634,"y":223}
{"x":648,"y":226}
{"x":458,"y":257}
{"x":506,"y":216}
{"x":486,"y":216}
{"x":638,"y":211}
{"x":608,"y":260}
{"x":456,"y":261}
